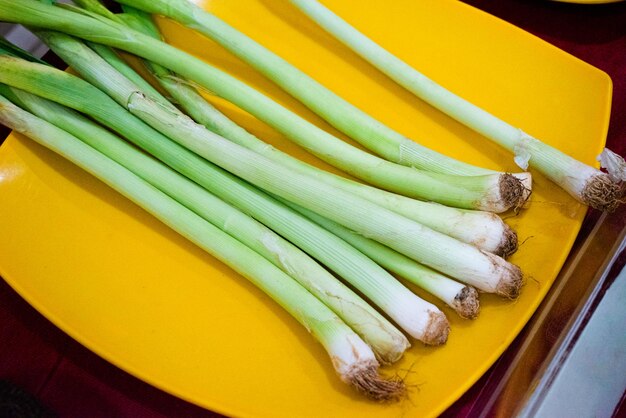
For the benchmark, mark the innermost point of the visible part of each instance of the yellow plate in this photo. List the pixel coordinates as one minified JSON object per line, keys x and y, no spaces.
{"x":145,"y":299}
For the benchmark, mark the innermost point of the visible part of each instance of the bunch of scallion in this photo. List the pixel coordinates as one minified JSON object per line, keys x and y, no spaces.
{"x":354,"y":334}
{"x":281,"y":223}
{"x":587,"y":184}
{"x":603,"y":191}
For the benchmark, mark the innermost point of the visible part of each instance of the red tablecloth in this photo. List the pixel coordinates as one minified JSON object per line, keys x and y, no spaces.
{"x":73,"y":382}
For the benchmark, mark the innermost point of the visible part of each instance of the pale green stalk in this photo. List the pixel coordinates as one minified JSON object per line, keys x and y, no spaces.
{"x":418,"y":318}
{"x":439,"y":251}
{"x":126,"y":70}
{"x":386,"y":341}
{"x":93,"y":8}
{"x":352,"y":358}
{"x":582,"y":181}
{"x":484,"y":230}
{"x":490,"y":192}
{"x":338,"y":112}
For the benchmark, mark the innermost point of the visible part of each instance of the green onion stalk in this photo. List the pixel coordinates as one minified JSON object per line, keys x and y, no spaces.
{"x":346,"y":117}
{"x":417,"y":317}
{"x":484,"y":230}
{"x":489,"y":192}
{"x":386,"y":341}
{"x":117,"y":62}
{"x":587,"y":184}
{"x":95,"y":9}
{"x":352,"y":358}
{"x":439,"y":251}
